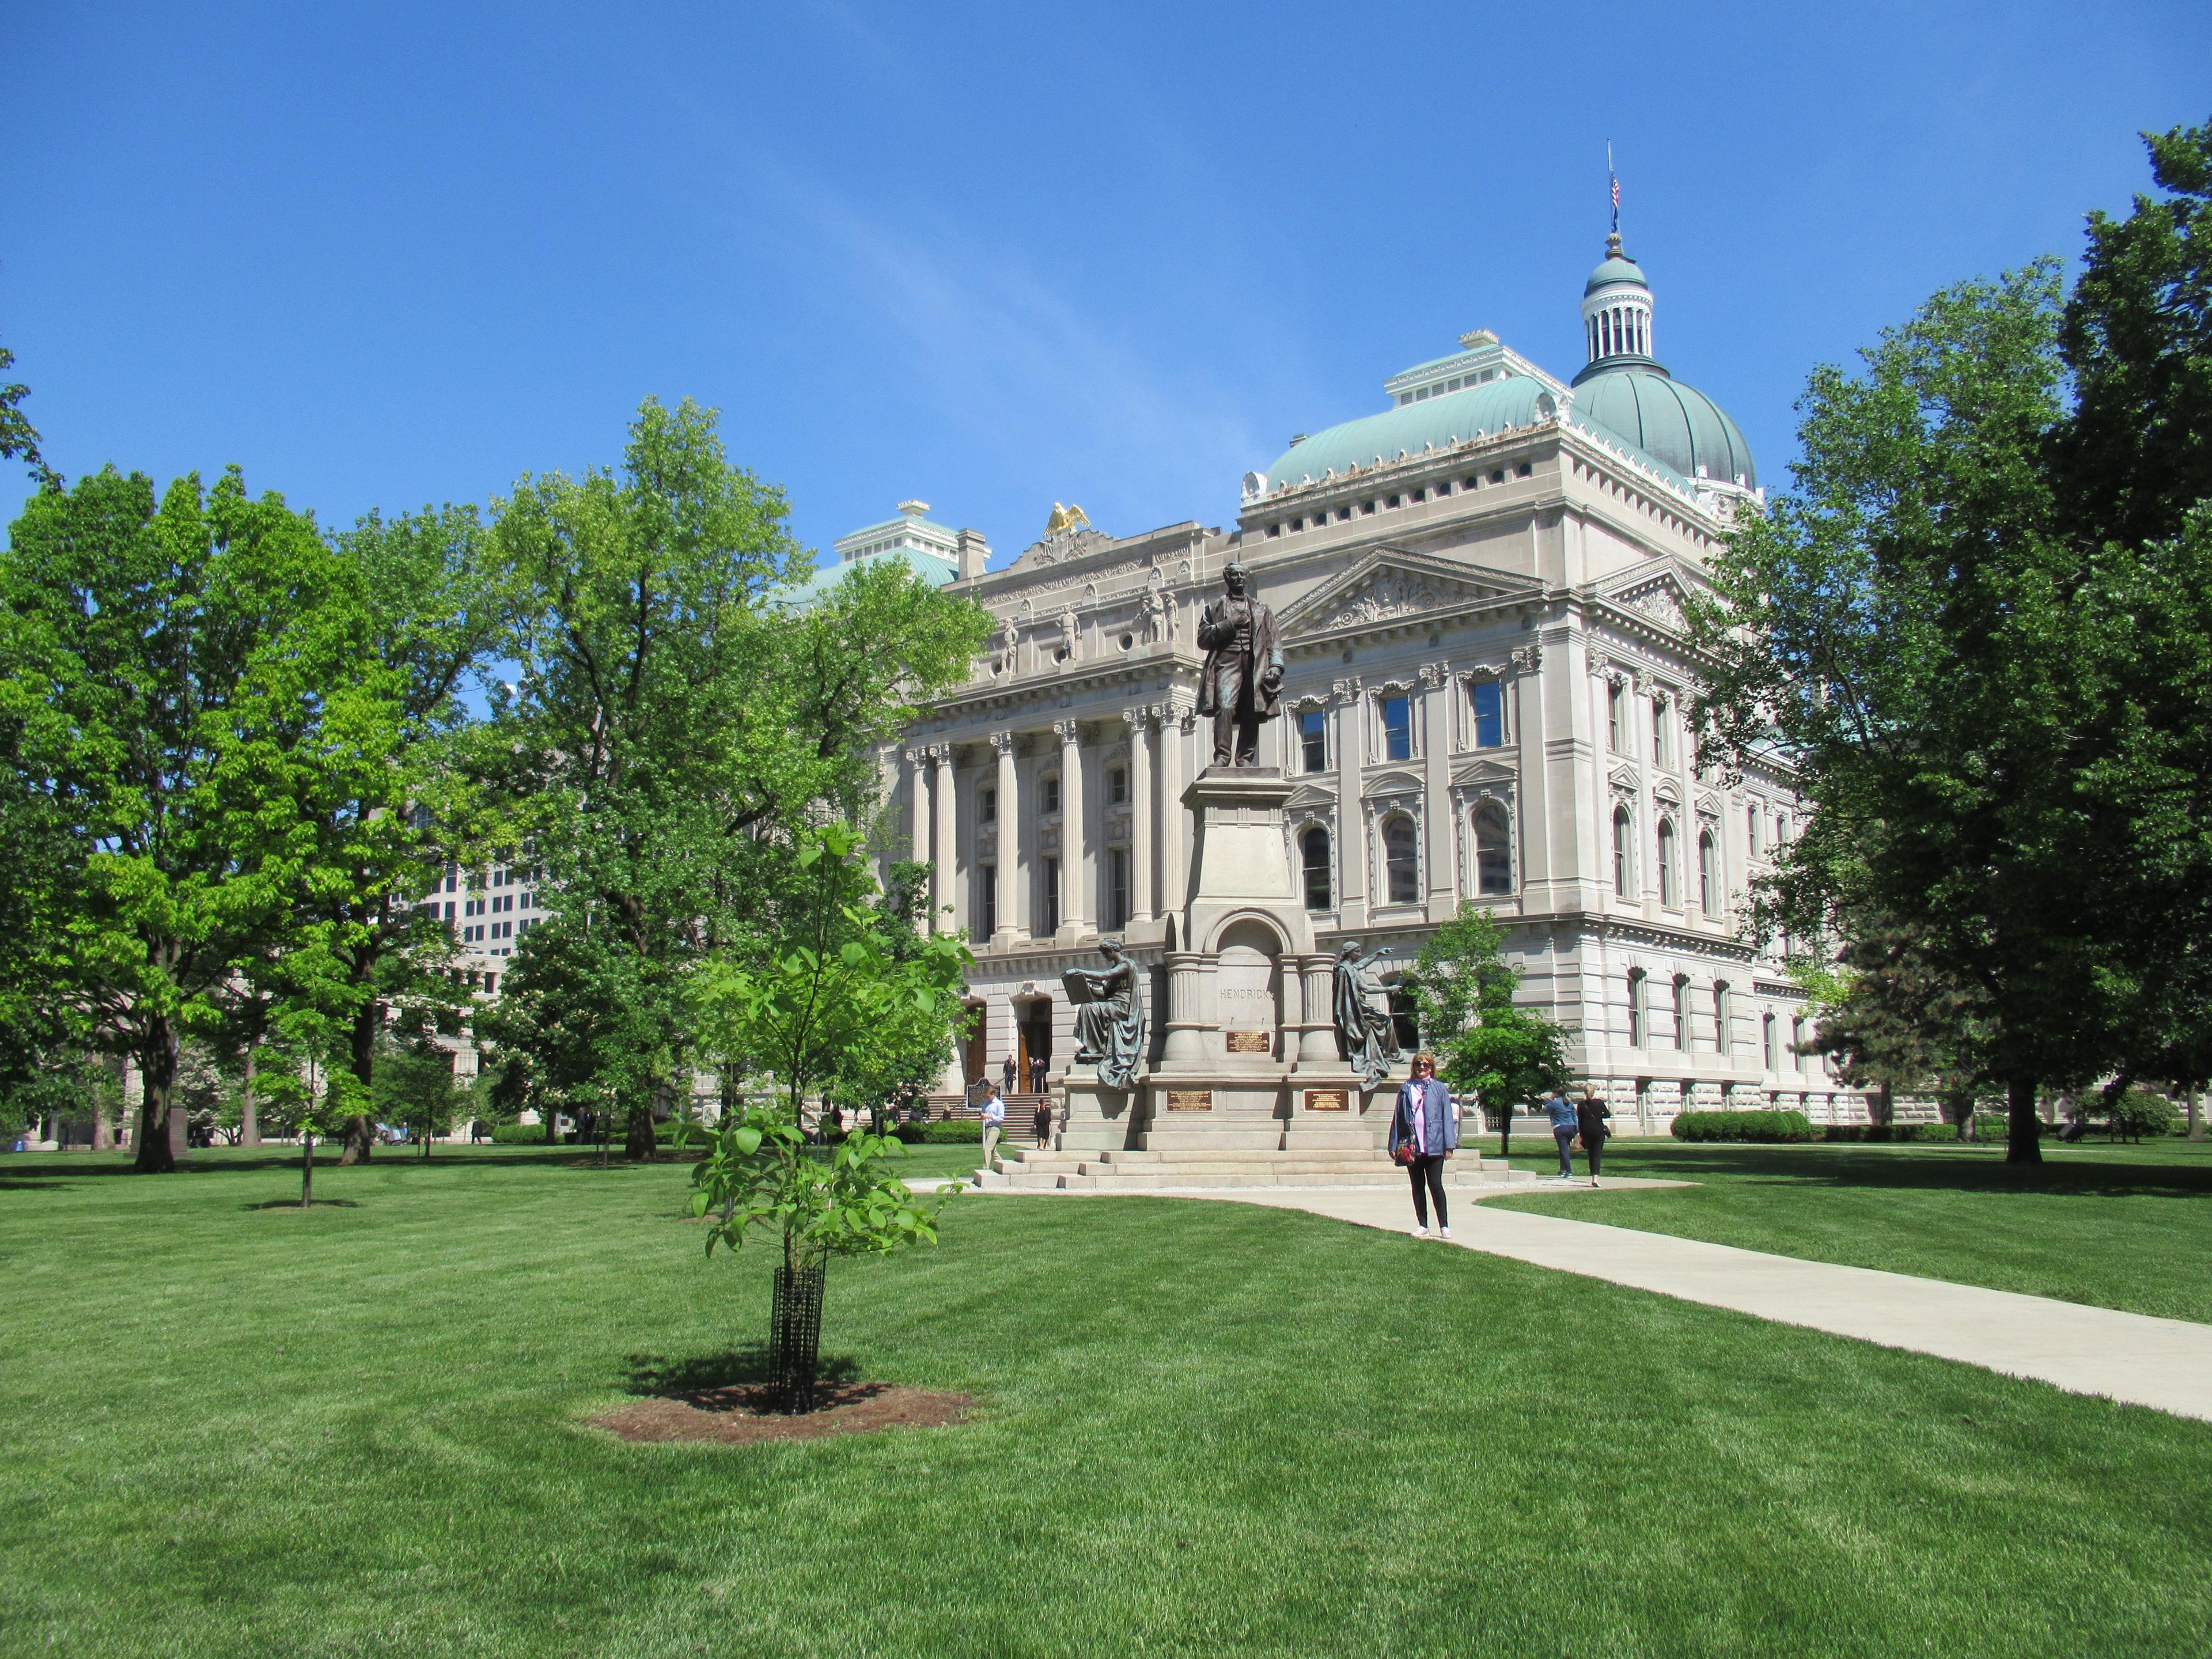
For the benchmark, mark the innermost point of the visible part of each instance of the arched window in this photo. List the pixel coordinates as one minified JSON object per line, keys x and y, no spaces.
{"x":1709,"y":874}
{"x":1667,"y":894}
{"x":1636,"y":983}
{"x":1493,"y":849}
{"x":1623,"y":840}
{"x":1401,"y":861}
{"x":1313,"y":853}
{"x":1722,"y":1044}
{"x":1682,"y":1011}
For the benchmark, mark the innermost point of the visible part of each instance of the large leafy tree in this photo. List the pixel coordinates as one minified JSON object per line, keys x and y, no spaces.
{"x":19,"y":438}
{"x":674,"y":723}
{"x":1896,"y":1023}
{"x":173,"y":667}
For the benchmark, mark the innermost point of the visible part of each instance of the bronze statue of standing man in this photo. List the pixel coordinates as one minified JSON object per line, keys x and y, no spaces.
{"x":1242,"y":680}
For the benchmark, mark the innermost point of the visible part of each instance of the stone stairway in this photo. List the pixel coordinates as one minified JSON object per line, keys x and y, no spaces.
{"x":1027,"y":1169}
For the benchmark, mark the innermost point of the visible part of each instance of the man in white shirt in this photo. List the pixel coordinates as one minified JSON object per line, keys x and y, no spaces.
{"x":994,"y":1125}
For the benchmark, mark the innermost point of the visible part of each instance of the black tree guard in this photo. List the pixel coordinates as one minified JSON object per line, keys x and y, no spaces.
{"x":794,"y":1336}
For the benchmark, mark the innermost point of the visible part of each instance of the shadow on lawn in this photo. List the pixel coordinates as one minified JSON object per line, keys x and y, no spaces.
{"x":703,"y":1375}
{"x":295,"y":1204}
{"x":2064,"y":1174}
{"x":50,"y":1168}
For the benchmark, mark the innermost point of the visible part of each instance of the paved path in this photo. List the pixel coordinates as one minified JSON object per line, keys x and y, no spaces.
{"x":2165,"y":1363}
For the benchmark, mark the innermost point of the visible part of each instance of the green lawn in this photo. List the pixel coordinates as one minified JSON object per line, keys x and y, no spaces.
{"x":2119,"y":1226}
{"x":1208,"y":1429}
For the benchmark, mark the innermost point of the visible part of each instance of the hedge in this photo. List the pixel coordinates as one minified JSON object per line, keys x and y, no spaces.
{"x":1891,"y":1131}
{"x":520,"y":1134}
{"x":1745,"y":1126}
{"x":957,"y":1132}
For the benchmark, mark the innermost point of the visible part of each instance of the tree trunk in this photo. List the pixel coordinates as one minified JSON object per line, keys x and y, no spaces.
{"x":2195,"y":1117}
{"x":157,"y":1070}
{"x":360,"y":1131}
{"x":249,"y":1109}
{"x":1504,"y":1134}
{"x":306,"y":1169}
{"x":2023,"y":1129}
{"x":640,"y":1144}
{"x":1881,"y":1106}
{"x":1958,"y":1106}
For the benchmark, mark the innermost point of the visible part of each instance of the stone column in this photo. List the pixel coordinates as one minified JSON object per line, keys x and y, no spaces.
{"x":947,"y":833}
{"x":1439,"y":830}
{"x":1074,"y":910}
{"x":1350,"y":735}
{"x":1010,"y":822}
{"x":1140,"y":813}
{"x":1187,"y":1026}
{"x":1174,"y":817}
{"x":917,"y":761}
{"x":1318,"y":1046}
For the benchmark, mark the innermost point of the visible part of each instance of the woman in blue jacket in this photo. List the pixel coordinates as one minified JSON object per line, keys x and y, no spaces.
{"x":1427,"y":1123}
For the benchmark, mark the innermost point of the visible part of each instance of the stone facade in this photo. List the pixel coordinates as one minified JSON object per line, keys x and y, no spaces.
{"x":1485,"y":700}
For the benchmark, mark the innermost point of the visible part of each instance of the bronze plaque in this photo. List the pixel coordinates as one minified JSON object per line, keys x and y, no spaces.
{"x":1250,"y":1042}
{"x":1328,"y":1100}
{"x":1190,"y":1100}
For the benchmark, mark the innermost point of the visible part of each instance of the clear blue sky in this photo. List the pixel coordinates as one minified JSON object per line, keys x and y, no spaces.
{"x":994,"y":257}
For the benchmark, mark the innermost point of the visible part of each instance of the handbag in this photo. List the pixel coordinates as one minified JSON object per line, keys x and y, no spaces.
{"x":1404,"y":1157}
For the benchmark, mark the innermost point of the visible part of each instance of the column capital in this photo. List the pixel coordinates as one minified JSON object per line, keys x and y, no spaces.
{"x":1528,"y":658}
{"x":1003,"y":742}
{"x":1069,"y":732}
{"x":1345,"y":690}
{"x":1139,"y":717}
{"x":942,"y":754}
{"x":1433,"y":674}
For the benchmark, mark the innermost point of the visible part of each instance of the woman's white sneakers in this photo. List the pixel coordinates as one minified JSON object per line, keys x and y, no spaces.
{"x":1420,"y":1232}
{"x":1444,"y":1232}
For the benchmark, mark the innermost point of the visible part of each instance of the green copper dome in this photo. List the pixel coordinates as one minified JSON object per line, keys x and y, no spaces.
{"x":1431,"y":423}
{"x":1675,"y":423}
{"x":1614,"y":268}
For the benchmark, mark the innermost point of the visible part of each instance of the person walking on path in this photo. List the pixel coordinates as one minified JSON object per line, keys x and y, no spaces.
{"x":1566,"y":1124}
{"x":1426,"y":1122}
{"x":1041,"y":1121}
{"x":994,"y":1125}
{"x":1595,"y":1121}
{"x":1011,"y":1074}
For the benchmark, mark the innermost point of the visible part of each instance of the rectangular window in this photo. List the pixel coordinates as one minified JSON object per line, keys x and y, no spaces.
{"x":1313,"y":739}
{"x":1722,"y":1044}
{"x":987,"y":805}
{"x":986,"y":900}
{"x":1662,"y":753}
{"x":1751,"y":830}
{"x":1636,"y":1008}
{"x":449,"y":911}
{"x":1051,"y":896}
{"x":1767,"y":1032}
{"x":1615,"y":702}
{"x":1489,"y":713}
{"x":1117,"y":888}
{"x":1397,"y":728}
{"x":1048,"y":795}
{"x":1117,"y":786}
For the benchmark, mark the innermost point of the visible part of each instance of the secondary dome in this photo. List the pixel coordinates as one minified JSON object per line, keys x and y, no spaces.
{"x":1432,"y":423}
{"x":1678,"y":424}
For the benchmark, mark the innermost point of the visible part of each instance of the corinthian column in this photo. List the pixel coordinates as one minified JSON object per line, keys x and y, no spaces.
{"x":1140,"y":813}
{"x":1175,"y":817}
{"x":917,"y":761}
{"x":1010,"y":844}
{"x":941,"y":900}
{"x":1072,"y":908}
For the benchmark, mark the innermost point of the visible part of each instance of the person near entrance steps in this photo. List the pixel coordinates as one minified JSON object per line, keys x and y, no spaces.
{"x":1596,"y":1123}
{"x":1010,"y":1075}
{"x":1041,"y":1121}
{"x":994,"y":1125}
{"x":1565,"y":1123}
{"x":1426,"y":1122}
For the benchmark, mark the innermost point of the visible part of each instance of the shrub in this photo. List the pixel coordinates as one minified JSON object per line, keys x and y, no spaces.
{"x":957,"y":1132}
{"x":522,"y":1134}
{"x":1890,"y":1131}
{"x":2139,"y":1113}
{"x":1745,"y":1126}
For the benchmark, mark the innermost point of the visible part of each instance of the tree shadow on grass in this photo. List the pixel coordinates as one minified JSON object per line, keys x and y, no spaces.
{"x":2065,"y":1173}
{"x":698,"y":1378}
{"x":295,"y":1204}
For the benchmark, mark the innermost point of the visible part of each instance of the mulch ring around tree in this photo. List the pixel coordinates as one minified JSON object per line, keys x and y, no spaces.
{"x":740,"y":1415}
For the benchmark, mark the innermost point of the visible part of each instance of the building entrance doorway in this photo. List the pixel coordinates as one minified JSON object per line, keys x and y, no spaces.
{"x":976,"y":1053}
{"x":1032,"y":1044}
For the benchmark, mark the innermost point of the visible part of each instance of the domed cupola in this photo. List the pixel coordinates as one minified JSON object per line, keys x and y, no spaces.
{"x":1616,"y":313}
{"x":1627,"y":390}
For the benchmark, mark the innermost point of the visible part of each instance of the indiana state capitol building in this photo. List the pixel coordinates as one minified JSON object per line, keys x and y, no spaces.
{"x":1477,"y":593}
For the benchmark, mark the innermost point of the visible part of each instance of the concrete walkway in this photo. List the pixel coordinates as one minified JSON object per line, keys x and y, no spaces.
{"x":2165,"y":1364}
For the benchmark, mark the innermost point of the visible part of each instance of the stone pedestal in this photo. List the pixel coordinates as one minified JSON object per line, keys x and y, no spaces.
{"x":1098,"y":1119}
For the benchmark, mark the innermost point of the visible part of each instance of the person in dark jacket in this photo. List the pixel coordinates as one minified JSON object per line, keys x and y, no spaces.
{"x":1010,"y":1075}
{"x":1427,"y":1120}
{"x":1594,"y":1122}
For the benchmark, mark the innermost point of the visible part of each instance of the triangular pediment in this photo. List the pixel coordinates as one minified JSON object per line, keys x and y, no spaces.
{"x":1391,"y":583}
{"x":1307,"y":796}
{"x":1622,"y":777}
{"x":1656,"y":591}
{"x":1484,"y":771}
